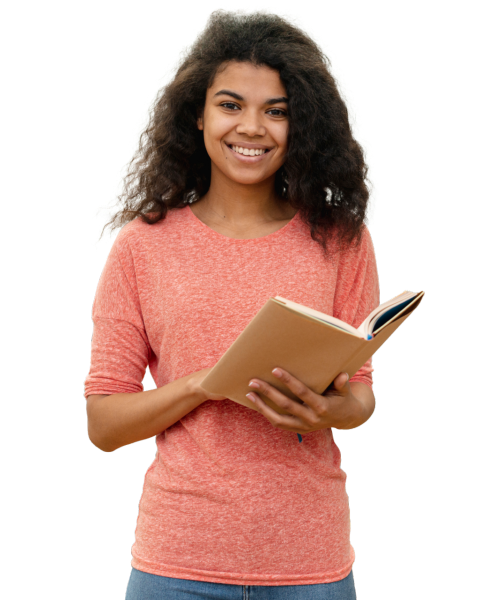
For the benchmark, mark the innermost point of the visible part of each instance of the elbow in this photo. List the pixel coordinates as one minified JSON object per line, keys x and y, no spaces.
{"x":102,"y":447}
{"x":101,"y":442}
{"x":364,"y":405}
{"x":97,"y":444}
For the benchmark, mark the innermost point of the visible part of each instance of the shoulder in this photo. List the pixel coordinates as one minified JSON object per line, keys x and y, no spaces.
{"x":136,"y":229}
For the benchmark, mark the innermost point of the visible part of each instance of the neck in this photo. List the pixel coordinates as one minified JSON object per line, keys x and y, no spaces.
{"x":242,"y":212}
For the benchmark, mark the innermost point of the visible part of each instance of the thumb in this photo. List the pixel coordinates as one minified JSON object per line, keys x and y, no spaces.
{"x":341,"y":381}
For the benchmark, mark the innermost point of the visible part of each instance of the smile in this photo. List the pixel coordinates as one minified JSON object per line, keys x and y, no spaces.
{"x":249,"y":151}
{"x":248,"y":159}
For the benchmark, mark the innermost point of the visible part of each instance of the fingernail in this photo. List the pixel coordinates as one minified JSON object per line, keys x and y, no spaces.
{"x":250,"y":397}
{"x":277,"y":373}
{"x":253,"y":384}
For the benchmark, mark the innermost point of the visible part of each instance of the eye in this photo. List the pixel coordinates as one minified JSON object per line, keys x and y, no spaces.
{"x":228,"y":104}
{"x":277,"y":112}
{"x":281,"y":113}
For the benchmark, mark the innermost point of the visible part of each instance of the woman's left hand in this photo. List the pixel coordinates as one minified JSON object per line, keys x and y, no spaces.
{"x":339,"y":407}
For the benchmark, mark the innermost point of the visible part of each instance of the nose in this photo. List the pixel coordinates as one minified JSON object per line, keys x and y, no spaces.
{"x":250,"y":124}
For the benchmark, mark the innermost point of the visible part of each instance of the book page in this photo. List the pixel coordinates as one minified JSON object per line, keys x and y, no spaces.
{"x":374,"y":321}
{"x":386,"y":311}
{"x":316,"y":314}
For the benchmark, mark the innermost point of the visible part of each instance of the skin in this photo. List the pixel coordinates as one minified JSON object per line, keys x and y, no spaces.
{"x":343,"y":406}
{"x":242,"y":195}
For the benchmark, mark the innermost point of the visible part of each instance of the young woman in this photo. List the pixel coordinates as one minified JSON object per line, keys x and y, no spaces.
{"x":247,"y":184}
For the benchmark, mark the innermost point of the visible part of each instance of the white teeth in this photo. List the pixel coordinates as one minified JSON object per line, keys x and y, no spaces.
{"x":248,"y":152}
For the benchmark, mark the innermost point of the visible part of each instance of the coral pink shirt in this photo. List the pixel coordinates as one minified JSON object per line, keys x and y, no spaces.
{"x":228,"y":498}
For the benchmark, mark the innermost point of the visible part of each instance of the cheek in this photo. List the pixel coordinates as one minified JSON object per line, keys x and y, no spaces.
{"x":281,"y":136}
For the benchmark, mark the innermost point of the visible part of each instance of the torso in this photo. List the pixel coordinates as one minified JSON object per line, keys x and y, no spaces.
{"x":243,"y":232}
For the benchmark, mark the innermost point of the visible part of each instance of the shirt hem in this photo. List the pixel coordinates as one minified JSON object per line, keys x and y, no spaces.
{"x":241,"y":578}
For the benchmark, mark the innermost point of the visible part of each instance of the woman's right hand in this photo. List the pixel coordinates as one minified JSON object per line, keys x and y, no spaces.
{"x":197,"y":378}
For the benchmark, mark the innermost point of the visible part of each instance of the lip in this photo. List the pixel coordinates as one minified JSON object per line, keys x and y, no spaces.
{"x":249,"y":145}
{"x":249,"y":159}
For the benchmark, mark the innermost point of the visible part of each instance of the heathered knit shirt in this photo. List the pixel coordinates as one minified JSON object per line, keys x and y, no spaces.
{"x":228,"y":498}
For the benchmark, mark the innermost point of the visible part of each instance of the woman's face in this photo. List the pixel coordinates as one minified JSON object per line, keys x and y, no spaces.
{"x":245,"y":123}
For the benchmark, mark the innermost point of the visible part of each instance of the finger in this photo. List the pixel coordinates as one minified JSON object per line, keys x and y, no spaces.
{"x":341,"y":382}
{"x":279,"y":399}
{"x":313,"y":400}
{"x":286,"y":422}
{"x":290,"y":405}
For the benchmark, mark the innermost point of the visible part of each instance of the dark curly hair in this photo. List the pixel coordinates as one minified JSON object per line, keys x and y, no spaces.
{"x":324,"y":174}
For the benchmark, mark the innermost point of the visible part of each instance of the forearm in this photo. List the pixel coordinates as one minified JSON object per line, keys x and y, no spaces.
{"x":359,"y":408}
{"x":120,"y":419}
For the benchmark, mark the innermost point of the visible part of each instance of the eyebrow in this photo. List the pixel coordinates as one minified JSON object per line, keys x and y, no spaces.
{"x":238,"y":97}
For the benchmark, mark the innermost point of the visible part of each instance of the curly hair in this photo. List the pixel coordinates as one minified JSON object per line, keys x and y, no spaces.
{"x":324,"y":173}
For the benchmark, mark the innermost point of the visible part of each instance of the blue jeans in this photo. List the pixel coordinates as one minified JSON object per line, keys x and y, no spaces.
{"x":144,"y":586}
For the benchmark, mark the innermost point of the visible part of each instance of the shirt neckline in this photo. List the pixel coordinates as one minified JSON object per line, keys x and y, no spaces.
{"x":269,"y":236}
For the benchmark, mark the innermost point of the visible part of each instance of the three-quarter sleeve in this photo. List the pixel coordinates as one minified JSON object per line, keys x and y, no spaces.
{"x":358,"y":293}
{"x":120,"y":348}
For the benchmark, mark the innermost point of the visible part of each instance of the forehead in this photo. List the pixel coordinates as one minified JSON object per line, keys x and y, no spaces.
{"x":250,"y":81}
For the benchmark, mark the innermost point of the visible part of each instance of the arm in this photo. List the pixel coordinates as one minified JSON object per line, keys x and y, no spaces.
{"x":120,"y":419}
{"x":362,"y":408}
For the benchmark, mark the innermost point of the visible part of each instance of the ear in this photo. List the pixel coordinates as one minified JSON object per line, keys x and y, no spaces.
{"x":199,"y":120}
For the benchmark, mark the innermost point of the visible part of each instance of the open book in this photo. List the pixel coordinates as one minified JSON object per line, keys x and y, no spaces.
{"x":311,"y":345}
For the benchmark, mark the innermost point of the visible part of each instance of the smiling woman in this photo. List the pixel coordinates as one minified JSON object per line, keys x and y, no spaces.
{"x":324,"y":174}
{"x":247,"y":184}
{"x":245,"y":132}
